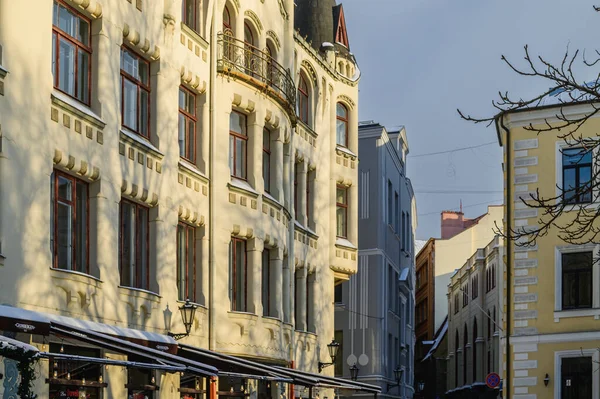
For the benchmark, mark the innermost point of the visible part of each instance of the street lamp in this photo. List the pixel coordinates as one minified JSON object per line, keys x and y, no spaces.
{"x":333,"y":349}
{"x":421,"y":386}
{"x":398,"y":376}
{"x":187,"y":314}
{"x":354,"y":372}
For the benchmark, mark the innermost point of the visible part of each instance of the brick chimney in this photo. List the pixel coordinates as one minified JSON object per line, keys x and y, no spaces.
{"x":455,"y":222}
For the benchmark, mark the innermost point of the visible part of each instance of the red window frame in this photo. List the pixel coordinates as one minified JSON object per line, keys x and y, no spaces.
{"x":226,"y":25}
{"x":194,"y":23}
{"x":267,"y":154}
{"x":188,"y":118}
{"x":58,"y":33}
{"x":136,"y":230}
{"x":266,"y":270}
{"x":73,"y":204}
{"x":237,"y":136}
{"x":188,"y":230}
{"x":343,"y":119}
{"x":140,"y":87}
{"x":303,"y":99}
{"x":344,"y":206}
{"x":234,"y":271}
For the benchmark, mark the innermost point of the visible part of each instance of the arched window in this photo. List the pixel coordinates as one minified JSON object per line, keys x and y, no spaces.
{"x":456,"y":343}
{"x":249,"y":53}
{"x":465,"y":341}
{"x":341,"y":136}
{"x":303,"y":97}
{"x":226,"y":20}
{"x":270,"y":67}
{"x":474,"y":349}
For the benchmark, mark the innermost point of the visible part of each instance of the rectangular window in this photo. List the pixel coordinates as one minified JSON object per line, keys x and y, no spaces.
{"x":189,"y":14}
{"x":238,"y":140}
{"x":296,"y":171}
{"x":238,"y":271}
{"x":339,"y":359}
{"x":456,"y":303}
{"x":71,"y":52}
{"x":297,"y":294}
{"x":577,"y":175}
{"x":70,"y":228}
{"x":391,"y":300}
{"x":341,"y":207}
{"x":69,"y":377}
{"x":186,"y":262}
{"x":577,"y":280}
{"x":465,"y":291}
{"x":309,"y":326}
{"x":390,"y":210}
{"x":338,"y":293}
{"x":475,"y":286}
{"x":266,"y":282}
{"x":266,"y":172}
{"x":135,"y":93}
{"x":397,"y":207}
{"x":187,"y":124}
{"x":308,"y":199}
{"x":134,"y":245}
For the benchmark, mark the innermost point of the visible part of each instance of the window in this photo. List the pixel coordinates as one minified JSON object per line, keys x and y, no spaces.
{"x":490,"y":277}
{"x":266,"y":172}
{"x":308,"y":299}
{"x":71,"y":52}
{"x":189,"y":14}
{"x":238,"y":271}
{"x":226,"y":20}
{"x":397,"y":207}
{"x":341,"y":136}
{"x":68,"y":376}
{"x":577,"y":280}
{"x":465,"y":291}
{"x":341,"y":204}
{"x":134,"y":245}
{"x":390,"y":210}
{"x":456,"y":349}
{"x":577,"y":175}
{"x":338,"y":293}
{"x":308,"y":199}
{"x":391,"y":294}
{"x":297,"y":296}
{"x":266,"y":282}
{"x":186,"y":262}
{"x":238,"y":140}
{"x":464,"y":357}
{"x":141,"y":383}
{"x":339,"y":359}
{"x":302,"y":100}
{"x":474,"y":346}
{"x":70,"y":227}
{"x":187,"y":124}
{"x":455,"y":302}
{"x":135,"y":93}
{"x":475,"y":286}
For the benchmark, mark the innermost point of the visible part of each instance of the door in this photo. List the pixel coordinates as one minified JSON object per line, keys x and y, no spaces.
{"x":576,"y":375}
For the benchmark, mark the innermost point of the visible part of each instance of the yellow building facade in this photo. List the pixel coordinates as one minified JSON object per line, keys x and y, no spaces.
{"x":552,"y":293}
{"x":158,"y":151}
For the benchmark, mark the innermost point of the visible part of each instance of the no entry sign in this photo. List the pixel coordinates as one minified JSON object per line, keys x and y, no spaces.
{"x":492,"y":380}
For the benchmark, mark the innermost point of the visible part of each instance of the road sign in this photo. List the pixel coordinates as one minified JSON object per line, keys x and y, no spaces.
{"x":492,"y":380}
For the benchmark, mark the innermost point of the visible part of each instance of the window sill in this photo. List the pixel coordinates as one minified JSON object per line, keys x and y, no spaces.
{"x":140,"y":142}
{"x":194,"y":35}
{"x":341,"y":150}
{"x":564,"y":314}
{"x":68,"y":104}
{"x":3,"y":72}
{"x":309,"y":130}
{"x":242,"y":187}
{"x":75,"y":276}
{"x":191,"y":168}
{"x":139,"y":293}
{"x":344,"y":243}
{"x":242,"y":315}
{"x":267,"y":198}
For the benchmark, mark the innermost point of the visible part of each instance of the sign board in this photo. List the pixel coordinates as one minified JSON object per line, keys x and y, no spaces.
{"x":492,"y":380}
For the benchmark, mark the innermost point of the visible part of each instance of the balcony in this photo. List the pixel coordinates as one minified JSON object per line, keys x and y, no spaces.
{"x":242,"y":61}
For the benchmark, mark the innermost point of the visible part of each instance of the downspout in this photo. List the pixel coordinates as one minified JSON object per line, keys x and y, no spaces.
{"x":509,"y":254}
{"x":211,"y":185}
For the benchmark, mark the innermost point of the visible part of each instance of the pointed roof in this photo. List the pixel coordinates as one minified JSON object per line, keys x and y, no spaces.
{"x":339,"y":26}
{"x":322,"y":21}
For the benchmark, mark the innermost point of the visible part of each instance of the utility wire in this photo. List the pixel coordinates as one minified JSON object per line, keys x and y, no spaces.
{"x":431,"y":191}
{"x":465,"y":206}
{"x":454,"y":150}
{"x":337,"y":306}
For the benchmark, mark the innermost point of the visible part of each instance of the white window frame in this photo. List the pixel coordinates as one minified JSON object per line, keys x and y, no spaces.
{"x":558,"y":252}
{"x":560,"y":144}
{"x":558,"y":356}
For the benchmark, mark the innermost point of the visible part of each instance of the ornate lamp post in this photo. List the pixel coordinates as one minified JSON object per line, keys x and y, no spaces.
{"x":333,"y":349}
{"x":188,"y":310}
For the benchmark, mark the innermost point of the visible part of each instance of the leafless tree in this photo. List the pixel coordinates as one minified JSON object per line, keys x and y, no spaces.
{"x":565,"y":211}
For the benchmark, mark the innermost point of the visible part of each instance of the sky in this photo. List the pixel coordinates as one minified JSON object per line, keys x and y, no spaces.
{"x":422,"y":59}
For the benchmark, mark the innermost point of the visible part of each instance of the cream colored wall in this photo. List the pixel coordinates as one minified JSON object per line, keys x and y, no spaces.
{"x":452,"y":253}
{"x":39,"y":136}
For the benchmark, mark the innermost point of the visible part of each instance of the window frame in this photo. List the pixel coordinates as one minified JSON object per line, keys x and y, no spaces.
{"x":266,"y":153}
{"x":303,"y":94}
{"x":559,"y":355}
{"x":578,"y":191}
{"x":308,"y":202}
{"x":188,"y":228}
{"x":345,"y":121}
{"x":78,"y":45}
{"x":233,"y":276}
{"x":195,"y":26}
{"x":239,"y":136}
{"x":589,"y":269}
{"x":73,"y":203}
{"x":343,"y":206}
{"x":266,"y":274}
{"x":189,"y":118}
{"x":137,"y":207}
{"x":475,"y":286}
{"x":140,"y":87}
{"x":559,"y":311}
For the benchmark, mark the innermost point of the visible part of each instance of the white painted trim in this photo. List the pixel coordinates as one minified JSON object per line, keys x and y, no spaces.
{"x":559,"y":175}
{"x":558,"y":251}
{"x":558,"y":356}
{"x":571,"y":337}
{"x":541,"y":115}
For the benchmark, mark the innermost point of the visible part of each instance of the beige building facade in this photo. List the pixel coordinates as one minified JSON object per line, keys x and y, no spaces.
{"x":152,"y":152}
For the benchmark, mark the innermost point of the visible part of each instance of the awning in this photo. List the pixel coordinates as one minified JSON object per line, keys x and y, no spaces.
{"x":329,"y":382}
{"x":230,"y":366}
{"x":110,"y":362}
{"x":126,"y":347}
{"x":23,"y":320}
{"x":10,"y":343}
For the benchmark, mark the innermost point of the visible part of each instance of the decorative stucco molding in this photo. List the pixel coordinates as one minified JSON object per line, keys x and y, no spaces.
{"x":273,"y":36}
{"x":189,"y":216}
{"x":82,"y":168}
{"x":255,"y":20}
{"x":90,"y":6}
{"x":347,"y":100}
{"x":282,"y":10}
{"x":271,"y":120}
{"x":132,"y":38}
{"x":245,"y":105}
{"x":133,"y":191}
{"x":310,"y":70}
{"x":193,"y":81}
{"x":344,"y":181}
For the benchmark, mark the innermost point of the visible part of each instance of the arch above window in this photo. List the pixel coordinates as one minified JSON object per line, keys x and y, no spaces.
{"x":303,"y":99}
{"x":341,"y":134}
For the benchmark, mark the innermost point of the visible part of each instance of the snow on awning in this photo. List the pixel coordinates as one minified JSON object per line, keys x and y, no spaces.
{"x":10,"y":343}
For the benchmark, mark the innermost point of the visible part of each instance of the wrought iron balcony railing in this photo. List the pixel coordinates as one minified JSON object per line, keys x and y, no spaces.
{"x":257,"y":67}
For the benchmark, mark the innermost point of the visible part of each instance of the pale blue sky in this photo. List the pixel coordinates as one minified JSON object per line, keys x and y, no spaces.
{"x":422,"y":59}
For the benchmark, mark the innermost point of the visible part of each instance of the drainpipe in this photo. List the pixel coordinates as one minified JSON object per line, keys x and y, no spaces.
{"x":509,"y":255}
{"x":211,"y":185}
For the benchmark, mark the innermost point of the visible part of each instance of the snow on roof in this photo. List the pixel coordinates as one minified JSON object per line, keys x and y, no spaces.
{"x":561,"y":96}
{"x":438,"y":339}
{"x":10,"y":343}
{"x":419,"y":244}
